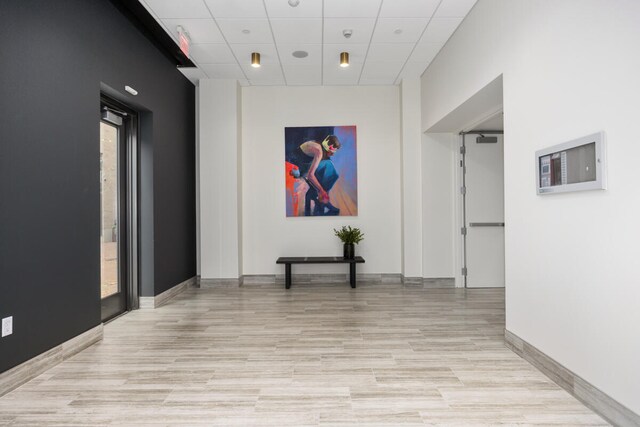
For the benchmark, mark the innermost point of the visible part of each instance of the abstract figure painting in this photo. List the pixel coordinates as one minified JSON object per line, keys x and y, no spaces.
{"x":321,"y":171}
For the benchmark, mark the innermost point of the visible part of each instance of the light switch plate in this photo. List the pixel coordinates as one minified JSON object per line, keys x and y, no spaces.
{"x":7,"y":326}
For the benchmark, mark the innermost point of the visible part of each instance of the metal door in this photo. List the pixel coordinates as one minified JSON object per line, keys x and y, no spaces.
{"x":483,"y":210}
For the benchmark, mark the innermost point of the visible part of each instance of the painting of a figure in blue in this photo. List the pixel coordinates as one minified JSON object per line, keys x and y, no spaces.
{"x":321,"y":171}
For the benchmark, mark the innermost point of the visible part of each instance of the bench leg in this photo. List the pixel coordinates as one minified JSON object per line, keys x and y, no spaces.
{"x":352,"y":274}
{"x":287,"y":276}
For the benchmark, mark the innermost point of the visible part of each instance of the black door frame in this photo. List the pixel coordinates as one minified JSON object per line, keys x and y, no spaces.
{"x":128,"y":217}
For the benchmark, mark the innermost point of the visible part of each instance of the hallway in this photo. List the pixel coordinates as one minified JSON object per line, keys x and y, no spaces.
{"x":321,"y":354}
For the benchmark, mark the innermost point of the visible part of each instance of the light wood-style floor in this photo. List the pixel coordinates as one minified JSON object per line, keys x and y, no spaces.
{"x":320,"y":354}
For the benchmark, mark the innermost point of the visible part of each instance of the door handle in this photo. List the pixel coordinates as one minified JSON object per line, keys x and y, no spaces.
{"x":486,"y":224}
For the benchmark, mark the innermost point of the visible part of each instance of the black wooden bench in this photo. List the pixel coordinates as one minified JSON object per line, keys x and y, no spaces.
{"x":287,"y":261}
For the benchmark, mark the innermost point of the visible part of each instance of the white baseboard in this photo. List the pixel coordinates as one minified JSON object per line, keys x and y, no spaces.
{"x":166,"y":296}
{"x":594,"y":398}
{"x":278,"y":279}
{"x":429,"y":282}
{"x":218,"y":283}
{"x":18,"y":375}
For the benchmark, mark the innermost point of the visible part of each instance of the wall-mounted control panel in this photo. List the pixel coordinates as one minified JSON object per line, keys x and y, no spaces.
{"x":574,"y":165}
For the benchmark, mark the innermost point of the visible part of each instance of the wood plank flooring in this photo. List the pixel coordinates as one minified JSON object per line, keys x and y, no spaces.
{"x":317,"y":355}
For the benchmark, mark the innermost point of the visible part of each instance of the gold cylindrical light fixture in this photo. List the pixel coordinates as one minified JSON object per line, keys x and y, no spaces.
{"x":344,"y":59}
{"x":255,"y":59}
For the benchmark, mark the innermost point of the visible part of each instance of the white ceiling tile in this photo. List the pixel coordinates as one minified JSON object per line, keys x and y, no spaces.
{"x":440,"y":29}
{"x":315,"y":26}
{"x":387,"y":81}
{"x":267,"y":75}
{"x":412,"y":70}
{"x":381,"y":70}
{"x":410,"y":30}
{"x":314,"y":51}
{"x":268,"y":53}
{"x":306,"y":9}
{"x":217,"y":53}
{"x":333,"y":74}
{"x":265,"y":72}
{"x":199,"y":30}
{"x":351,"y":8}
{"x":178,"y":9}
{"x":232,"y":28}
{"x":425,"y":51}
{"x":357,"y":52}
{"x":236,"y":8}
{"x":303,"y":74}
{"x":361,"y":30}
{"x":454,"y":8}
{"x":389,"y":52}
{"x":408,"y":8}
{"x":223,"y":71}
{"x":268,"y":82}
{"x":304,"y":30}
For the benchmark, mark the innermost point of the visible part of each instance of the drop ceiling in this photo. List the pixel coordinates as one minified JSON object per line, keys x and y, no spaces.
{"x":391,"y":39}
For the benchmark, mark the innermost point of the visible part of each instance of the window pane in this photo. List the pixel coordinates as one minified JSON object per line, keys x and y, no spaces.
{"x":109,"y":209}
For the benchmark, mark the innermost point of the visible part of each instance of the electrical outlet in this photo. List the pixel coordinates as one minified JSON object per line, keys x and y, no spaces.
{"x":7,"y":326}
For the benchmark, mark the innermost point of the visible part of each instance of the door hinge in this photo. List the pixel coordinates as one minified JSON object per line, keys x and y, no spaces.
{"x":463,"y":150}
{"x":464,"y":271}
{"x":461,"y":165}
{"x":463,"y":231}
{"x":463,"y":190}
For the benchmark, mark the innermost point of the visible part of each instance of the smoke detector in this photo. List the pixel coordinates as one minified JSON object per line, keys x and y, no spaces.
{"x":347,"y":33}
{"x":294,"y":3}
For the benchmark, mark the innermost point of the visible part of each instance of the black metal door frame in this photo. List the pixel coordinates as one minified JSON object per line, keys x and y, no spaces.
{"x":127,"y":298}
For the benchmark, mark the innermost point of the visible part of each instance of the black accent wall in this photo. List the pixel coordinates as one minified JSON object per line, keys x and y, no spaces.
{"x":54,"y":58}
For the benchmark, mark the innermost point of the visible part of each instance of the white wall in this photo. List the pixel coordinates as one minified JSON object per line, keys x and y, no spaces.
{"x":219,"y":171}
{"x":267,"y":232}
{"x":438,"y":201}
{"x":569,"y":68}
{"x":411,"y":179}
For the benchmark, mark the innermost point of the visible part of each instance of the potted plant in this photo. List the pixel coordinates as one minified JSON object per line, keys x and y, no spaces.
{"x":350,"y":237}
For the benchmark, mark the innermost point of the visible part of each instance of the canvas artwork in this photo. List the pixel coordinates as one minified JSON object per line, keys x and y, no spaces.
{"x":321,"y":171}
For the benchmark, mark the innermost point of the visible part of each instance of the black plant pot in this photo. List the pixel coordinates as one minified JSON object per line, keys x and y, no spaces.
{"x":349,"y":250}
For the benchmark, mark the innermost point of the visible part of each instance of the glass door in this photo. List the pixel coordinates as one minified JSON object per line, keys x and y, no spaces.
{"x":109,"y":280}
{"x":113,"y":287}
{"x":118,"y":214}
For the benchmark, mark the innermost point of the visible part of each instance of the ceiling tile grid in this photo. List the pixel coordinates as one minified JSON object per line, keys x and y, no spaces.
{"x":389,"y":40}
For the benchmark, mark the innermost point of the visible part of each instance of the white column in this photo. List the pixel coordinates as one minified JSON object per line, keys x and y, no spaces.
{"x":411,"y":179}
{"x":218,"y":179}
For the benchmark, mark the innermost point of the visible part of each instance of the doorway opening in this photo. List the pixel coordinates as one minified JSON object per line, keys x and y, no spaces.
{"x":482,"y":202}
{"x":118,"y":208}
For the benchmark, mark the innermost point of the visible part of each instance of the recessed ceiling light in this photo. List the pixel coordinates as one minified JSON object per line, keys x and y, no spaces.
{"x":294,"y":3}
{"x":245,"y":31}
{"x":300,"y":54}
{"x":255,"y":60}
{"x":398,"y":31}
{"x":344,"y":59}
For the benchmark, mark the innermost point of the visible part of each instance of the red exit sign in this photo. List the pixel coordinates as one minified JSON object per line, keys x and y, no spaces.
{"x":183,"y":39}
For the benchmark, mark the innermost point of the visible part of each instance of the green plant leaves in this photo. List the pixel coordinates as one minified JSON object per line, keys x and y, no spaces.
{"x":349,"y":235}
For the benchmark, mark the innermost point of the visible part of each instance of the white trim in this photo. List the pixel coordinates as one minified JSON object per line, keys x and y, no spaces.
{"x":458,"y":243}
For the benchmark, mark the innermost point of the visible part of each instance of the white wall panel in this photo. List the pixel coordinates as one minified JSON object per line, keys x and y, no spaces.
{"x":267,"y":232}
{"x":569,"y":69}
